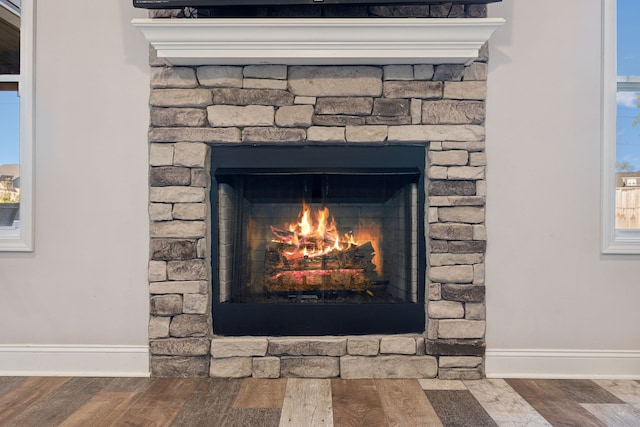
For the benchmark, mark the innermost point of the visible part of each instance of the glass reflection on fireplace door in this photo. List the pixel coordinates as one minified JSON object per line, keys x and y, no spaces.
{"x":318,"y":240}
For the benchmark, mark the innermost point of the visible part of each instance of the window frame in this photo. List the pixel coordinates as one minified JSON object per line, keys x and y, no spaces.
{"x":613,"y":241}
{"x":22,"y":240}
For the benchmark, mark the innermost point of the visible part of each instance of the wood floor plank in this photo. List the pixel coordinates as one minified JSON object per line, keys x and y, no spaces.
{"x":9,"y":383}
{"x":553,"y":403}
{"x":435,"y":384}
{"x":458,"y":408}
{"x":261,"y":393}
{"x":356,"y":403}
{"x":307,"y":402}
{"x":254,"y":417}
{"x":211,"y":403}
{"x":129,"y":384}
{"x":159,"y":405}
{"x":102,"y":410}
{"x":586,"y":391}
{"x":627,"y":390}
{"x":504,"y":405}
{"x":405,"y":404}
{"x":28,"y":392}
{"x":620,"y":415}
{"x":61,"y":402}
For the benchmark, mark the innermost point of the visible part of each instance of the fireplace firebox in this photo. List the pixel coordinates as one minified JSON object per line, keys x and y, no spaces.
{"x":318,"y":240}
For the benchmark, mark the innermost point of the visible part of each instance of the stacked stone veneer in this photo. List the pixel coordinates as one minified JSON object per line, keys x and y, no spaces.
{"x":441,"y":107}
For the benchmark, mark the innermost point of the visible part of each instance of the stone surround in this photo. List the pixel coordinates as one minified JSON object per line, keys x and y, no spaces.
{"x":439,"y":106}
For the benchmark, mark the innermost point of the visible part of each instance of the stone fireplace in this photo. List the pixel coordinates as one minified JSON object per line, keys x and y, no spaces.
{"x":202,"y":113}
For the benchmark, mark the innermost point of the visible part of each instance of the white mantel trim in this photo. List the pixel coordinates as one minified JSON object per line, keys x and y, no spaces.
{"x":317,"y":41}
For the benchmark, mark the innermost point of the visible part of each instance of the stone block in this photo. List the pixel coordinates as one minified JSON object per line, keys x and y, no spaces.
{"x":448,"y":72}
{"x":192,"y":269}
{"x":476,"y":10}
{"x":160,"y":211}
{"x":266,"y":71}
{"x":157,"y":271}
{"x":432,"y":329}
{"x":390,"y":107}
{"x":433,"y":292}
{"x":438,"y":246}
{"x":180,"y":347}
{"x":309,"y":367}
{"x":266,"y":367}
{"x":465,"y":90}
{"x":466,"y":172}
{"x":179,"y":366}
{"x":413,"y":89}
{"x":466,"y":247}
{"x":456,"y":201}
{"x":180,"y":98}
{"x":195,"y":304}
{"x":189,"y":211}
{"x":464,"y":145}
{"x":176,"y":194}
{"x":189,"y":325}
{"x":451,"y":274}
{"x":460,"y":361}
{"x":363,"y":346}
{"x":455,"y":347}
{"x":464,"y":293}
{"x":366,"y":133}
{"x":335,"y":80}
{"x":452,"y":188}
{"x":168,"y":117}
{"x":222,"y":347}
{"x":416,"y":111}
{"x":461,"y":374}
{"x":476,"y":71}
{"x":169,"y":175}
{"x":166,"y":305}
{"x":445,"y":310}
{"x":269,"y":134}
{"x":462,"y":214}
{"x":179,"y":287}
{"x":474,"y":311}
{"x":326,"y":134}
{"x":161,"y":154}
{"x":436,"y":172}
{"x":184,"y":134}
{"x":294,"y":116}
{"x":199,"y":177}
{"x":481,"y":187}
{"x":274,"y":97}
{"x":248,"y":115}
{"x":455,"y":259}
{"x":448,"y":158}
{"x":354,"y":367}
{"x":400,"y":11}
{"x":308,"y":346}
{"x":305,"y":100}
{"x":220,"y":76}
{"x":388,"y":120}
{"x":234,"y":367}
{"x":159,"y":327}
{"x":203,"y":248}
{"x":432,"y":215}
{"x":264,"y":84}
{"x":478,"y":159}
{"x":191,"y":154}
{"x":422,"y":133}
{"x":478,"y":274}
{"x":453,"y":112}
{"x":398,"y":345}
{"x":423,"y":71}
{"x":450,"y":231}
{"x":397,"y":72}
{"x":461,"y":328}
{"x":354,"y":106}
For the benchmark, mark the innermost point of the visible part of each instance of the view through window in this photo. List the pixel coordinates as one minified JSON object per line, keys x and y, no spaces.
{"x":628,"y":117}
{"x":9,"y":116}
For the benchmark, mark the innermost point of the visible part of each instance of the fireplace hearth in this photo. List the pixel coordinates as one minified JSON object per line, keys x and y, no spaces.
{"x":318,"y":240}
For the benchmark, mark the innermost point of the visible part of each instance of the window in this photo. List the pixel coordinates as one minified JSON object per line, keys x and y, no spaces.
{"x":621,"y":128}
{"x":16,"y":125}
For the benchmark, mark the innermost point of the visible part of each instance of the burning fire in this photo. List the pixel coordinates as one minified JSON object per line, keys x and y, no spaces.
{"x":315,"y":234}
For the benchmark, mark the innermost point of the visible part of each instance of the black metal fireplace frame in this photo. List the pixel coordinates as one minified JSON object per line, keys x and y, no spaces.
{"x":300,"y":318}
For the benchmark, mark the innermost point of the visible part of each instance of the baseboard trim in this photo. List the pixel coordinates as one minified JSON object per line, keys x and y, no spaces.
{"x":74,"y":360}
{"x":563,"y":364}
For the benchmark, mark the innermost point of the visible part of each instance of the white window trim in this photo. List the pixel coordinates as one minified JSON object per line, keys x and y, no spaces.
{"x":22,"y":240}
{"x":613,"y":241}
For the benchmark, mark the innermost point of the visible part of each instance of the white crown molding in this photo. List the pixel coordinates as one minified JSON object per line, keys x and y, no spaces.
{"x":311,"y":41}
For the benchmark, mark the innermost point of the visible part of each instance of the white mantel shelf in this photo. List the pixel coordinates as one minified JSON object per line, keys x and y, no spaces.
{"x":312,"y":41}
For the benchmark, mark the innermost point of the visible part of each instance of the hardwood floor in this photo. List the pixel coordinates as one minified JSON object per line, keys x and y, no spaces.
{"x":41,"y":402}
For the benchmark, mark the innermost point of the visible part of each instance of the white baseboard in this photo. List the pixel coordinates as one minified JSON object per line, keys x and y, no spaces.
{"x":562,"y":364}
{"x":74,"y":360}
